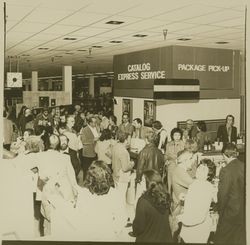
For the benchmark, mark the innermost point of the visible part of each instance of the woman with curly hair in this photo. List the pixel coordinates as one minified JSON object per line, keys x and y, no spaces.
{"x":99,"y":206}
{"x":151,"y":223}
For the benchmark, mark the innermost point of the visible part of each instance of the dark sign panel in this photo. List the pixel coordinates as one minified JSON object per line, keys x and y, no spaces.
{"x":216,"y":69}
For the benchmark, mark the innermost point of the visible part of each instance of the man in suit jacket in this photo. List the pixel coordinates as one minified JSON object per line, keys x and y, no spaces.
{"x":231,"y":193}
{"x":88,"y":136}
{"x":64,"y":148}
{"x":227,"y":133}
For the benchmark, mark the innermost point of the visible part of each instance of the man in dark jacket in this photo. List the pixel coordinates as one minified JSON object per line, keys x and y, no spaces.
{"x":150,"y":157}
{"x":231,"y":193}
{"x":64,"y":148}
{"x":227,"y":133}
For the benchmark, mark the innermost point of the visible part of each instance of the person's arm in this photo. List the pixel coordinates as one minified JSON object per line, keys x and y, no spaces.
{"x":185,"y":179}
{"x":126,"y":164}
{"x":140,"y":166}
{"x":140,"y":218}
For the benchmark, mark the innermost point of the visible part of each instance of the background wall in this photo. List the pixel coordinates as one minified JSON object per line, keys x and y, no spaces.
{"x":169,"y":112}
{"x":31,"y":99}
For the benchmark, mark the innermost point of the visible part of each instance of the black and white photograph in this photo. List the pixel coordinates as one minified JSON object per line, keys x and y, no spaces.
{"x":124,"y":121}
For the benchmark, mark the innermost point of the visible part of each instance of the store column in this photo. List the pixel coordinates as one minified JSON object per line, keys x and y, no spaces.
{"x":67,"y":81}
{"x":50,"y":85}
{"x":34,"y":81}
{"x":26,"y":85}
{"x":92,"y":86}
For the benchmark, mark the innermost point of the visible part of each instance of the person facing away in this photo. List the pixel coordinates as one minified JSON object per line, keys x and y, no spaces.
{"x":231,"y":199}
{"x":227,"y":133}
{"x":201,"y":136}
{"x":150,"y":156}
{"x":151,"y":223}
{"x":121,"y":163}
{"x":103,"y":147}
{"x":101,"y":215}
{"x":196,"y":221}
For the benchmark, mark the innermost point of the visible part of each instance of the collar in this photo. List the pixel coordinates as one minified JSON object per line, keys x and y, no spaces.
{"x":65,"y":151}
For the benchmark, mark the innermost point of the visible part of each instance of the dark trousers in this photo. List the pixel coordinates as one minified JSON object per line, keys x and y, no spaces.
{"x":86,"y":162}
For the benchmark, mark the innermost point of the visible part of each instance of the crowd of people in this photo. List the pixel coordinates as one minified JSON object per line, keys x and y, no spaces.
{"x":175,"y":196}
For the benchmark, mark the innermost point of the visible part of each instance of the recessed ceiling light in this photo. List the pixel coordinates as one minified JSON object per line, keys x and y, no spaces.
{"x":184,"y":39}
{"x":110,"y":72}
{"x":114,"y":22}
{"x":221,"y":42}
{"x":69,"y":38}
{"x":115,"y":41}
{"x":96,"y":46}
{"x":140,"y":35}
{"x":25,"y":55}
{"x":81,"y":50}
{"x":43,"y":48}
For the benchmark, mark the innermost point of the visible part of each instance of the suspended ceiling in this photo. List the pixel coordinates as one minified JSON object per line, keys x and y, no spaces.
{"x":36,"y":30}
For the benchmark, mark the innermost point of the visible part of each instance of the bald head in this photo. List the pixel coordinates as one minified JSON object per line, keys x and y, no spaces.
{"x":189,"y":123}
{"x":54,"y":142}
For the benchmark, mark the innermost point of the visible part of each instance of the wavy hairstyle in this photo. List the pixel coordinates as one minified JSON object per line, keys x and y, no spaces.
{"x":156,"y":192}
{"x":99,"y":178}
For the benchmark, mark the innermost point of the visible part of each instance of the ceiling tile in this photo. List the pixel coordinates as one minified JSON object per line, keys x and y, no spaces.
{"x":215,"y":18}
{"x":110,"y":6}
{"x":187,"y":12}
{"x":60,"y":29}
{"x":18,"y":12}
{"x":143,"y":25}
{"x":231,"y":22}
{"x":125,"y":19}
{"x":89,"y":31}
{"x":149,"y":9}
{"x":46,"y":15}
{"x":31,"y":27}
{"x":83,"y":19}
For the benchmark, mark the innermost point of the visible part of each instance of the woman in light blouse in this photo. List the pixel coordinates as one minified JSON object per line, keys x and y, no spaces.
{"x":173,"y":147}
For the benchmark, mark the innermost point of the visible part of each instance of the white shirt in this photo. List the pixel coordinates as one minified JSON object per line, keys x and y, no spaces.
{"x":195,"y":218}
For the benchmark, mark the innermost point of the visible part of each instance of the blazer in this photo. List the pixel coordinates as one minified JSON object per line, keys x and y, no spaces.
{"x":88,"y":142}
{"x":74,"y":160}
{"x":231,"y":191}
{"x":223,"y":136}
{"x":231,"y":208}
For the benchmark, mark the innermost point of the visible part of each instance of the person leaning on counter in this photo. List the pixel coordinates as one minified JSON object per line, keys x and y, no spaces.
{"x":227,"y":133}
